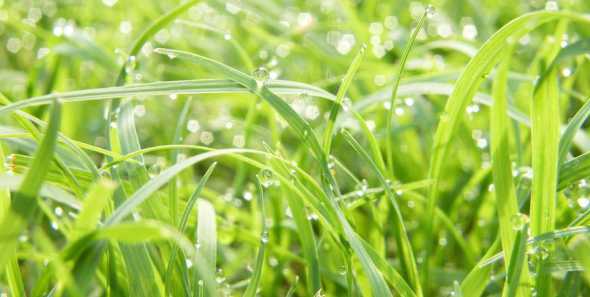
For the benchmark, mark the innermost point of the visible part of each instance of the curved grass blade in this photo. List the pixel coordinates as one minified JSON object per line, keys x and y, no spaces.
{"x":160,"y":23}
{"x":201,"y":86}
{"x":392,"y":100}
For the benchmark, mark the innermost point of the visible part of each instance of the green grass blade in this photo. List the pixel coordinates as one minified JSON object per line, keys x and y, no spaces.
{"x":259,"y":265}
{"x":517,"y":263}
{"x":206,"y":241}
{"x":504,"y":191}
{"x":340,"y":96}
{"x":392,"y":100}
{"x":24,"y":204}
{"x":164,"y":88}
{"x":403,"y":243}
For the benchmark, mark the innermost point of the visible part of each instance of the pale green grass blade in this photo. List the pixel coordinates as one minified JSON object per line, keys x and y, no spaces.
{"x":259,"y":265}
{"x":207,"y":242}
{"x":164,"y":88}
{"x":340,"y":96}
{"x":504,"y":191}
{"x":392,"y":100}
{"x":24,"y":204}
{"x":145,"y":192}
{"x":545,"y":150}
{"x":152,"y":30}
{"x":182,"y":225}
{"x":95,"y":202}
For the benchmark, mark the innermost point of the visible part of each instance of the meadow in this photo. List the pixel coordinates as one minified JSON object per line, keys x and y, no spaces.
{"x":294,"y":148}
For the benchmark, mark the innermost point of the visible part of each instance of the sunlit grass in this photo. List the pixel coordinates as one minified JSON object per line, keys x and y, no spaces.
{"x":315,"y":148}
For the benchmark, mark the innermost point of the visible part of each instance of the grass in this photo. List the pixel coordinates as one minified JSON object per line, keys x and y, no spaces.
{"x":315,"y":148}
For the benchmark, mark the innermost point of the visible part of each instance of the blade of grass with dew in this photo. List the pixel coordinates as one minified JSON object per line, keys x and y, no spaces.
{"x":259,"y":265}
{"x":545,"y":147}
{"x":207,"y":243}
{"x":504,"y":191}
{"x":306,"y":133}
{"x":172,"y":188}
{"x":517,"y":264}
{"x":466,"y":87}
{"x":23,"y":206}
{"x":182,"y":225}
{"x":202,"y":86}
{"x":340,"y":97}
{"x":152,"y":30}
{"x":304,"y":229}
{"x":403,"y":243}
{"x":392,"y":100}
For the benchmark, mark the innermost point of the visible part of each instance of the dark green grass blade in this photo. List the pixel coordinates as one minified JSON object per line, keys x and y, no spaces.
{"x":517,"y":263}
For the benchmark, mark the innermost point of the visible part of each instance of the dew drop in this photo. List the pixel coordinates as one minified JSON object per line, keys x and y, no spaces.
{"x":261,"y":76}
{"x":518,"y":221}
{"x":193,"y":126}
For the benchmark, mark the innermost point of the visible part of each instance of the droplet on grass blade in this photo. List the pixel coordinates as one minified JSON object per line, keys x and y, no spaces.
{"x":518,"y":221}
{"x":261,"y":76}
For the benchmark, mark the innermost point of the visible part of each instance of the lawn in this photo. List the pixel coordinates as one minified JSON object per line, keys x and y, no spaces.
{"x":294,"y":148}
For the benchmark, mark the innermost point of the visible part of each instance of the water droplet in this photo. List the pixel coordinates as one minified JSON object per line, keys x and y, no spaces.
{"x":188,"y":263}
{"x":193,"y":125}
{"x":469,"y":31}
{"x":267,"y":178}
{"x":518,"y":221}
{"x":583,"y":202}
{"x":430,"y":11}
{"x":261,"y":76}
{"x":139,"y":110}
{"x":551,"y":5}
{"x":131,"y":64}
{"x":264,"y":238}
{"x":58,"y":211}
{"x":206,"y":137}
{"x":227,"y":36}
{"x":173,"y":96}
